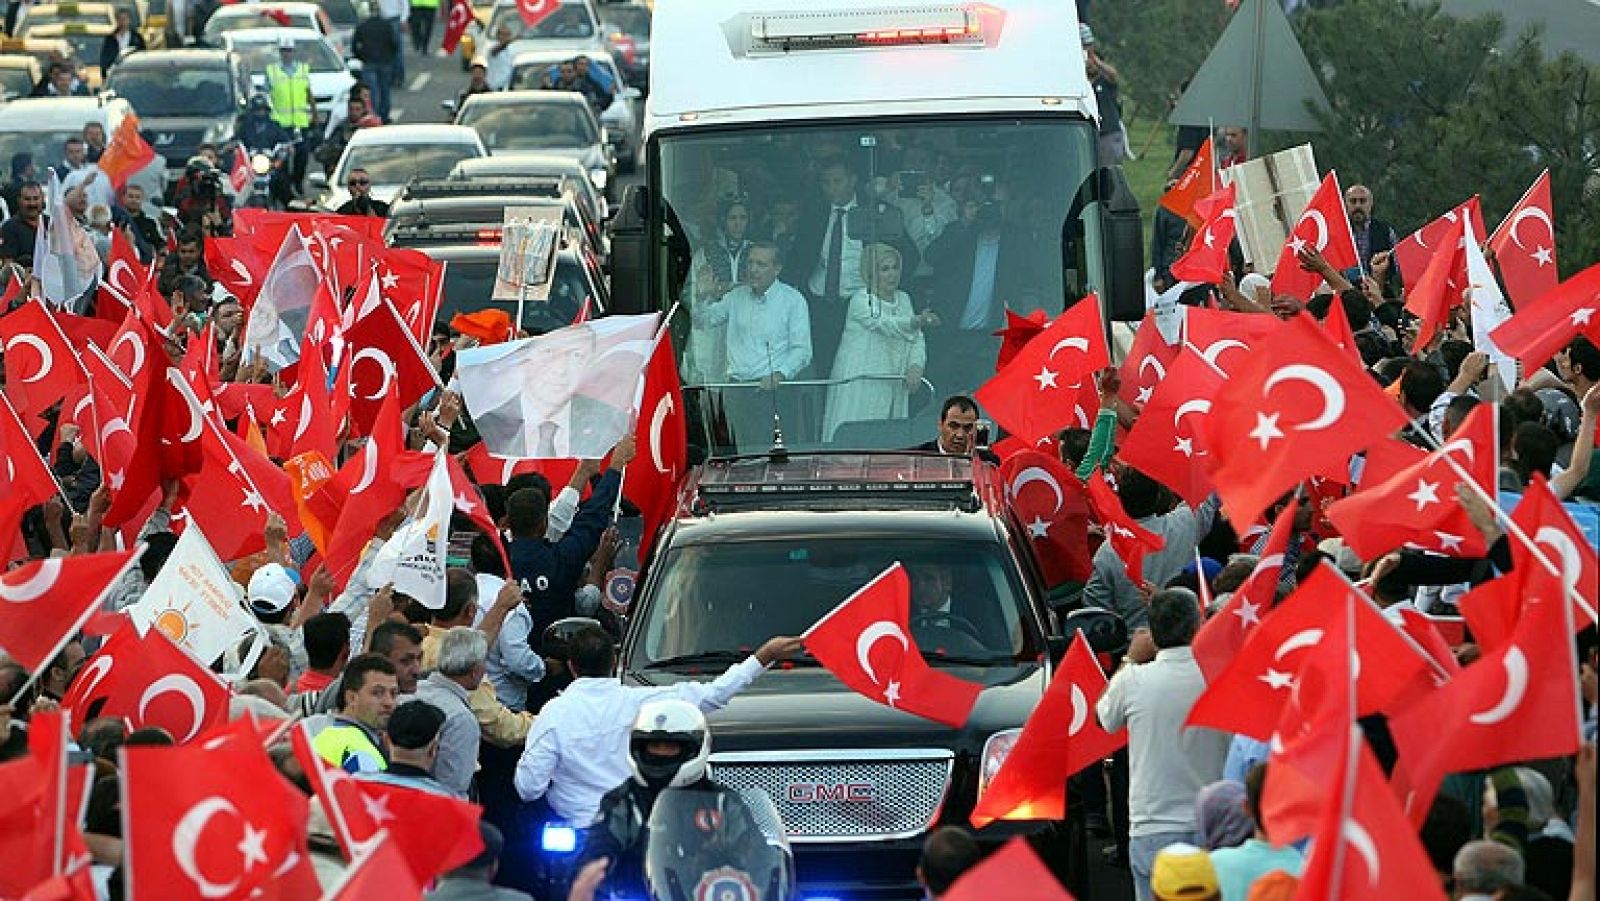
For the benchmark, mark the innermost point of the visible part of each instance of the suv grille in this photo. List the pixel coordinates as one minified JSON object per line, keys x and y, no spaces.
{"x":844,"y":795}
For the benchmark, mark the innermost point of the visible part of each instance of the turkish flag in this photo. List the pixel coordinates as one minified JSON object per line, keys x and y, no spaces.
{"x":535,"y":11}
{"x":1248,"y":695}
{"x":1413,"y":252}
{"x":1337,"y":325}
{"x":381,"y":871}
{"x":1518,"y":703}
{"x":850,"y":641}
{"x":315,"y":427}
{"x":383,"y":351}
{"x":1539,"y":329}
{"x":267,"y":228}
{"x":1018,"y":332}
{"x":13,"y":289}
{"x":126,"y":152}
{"x":1220,"y":638}
{"x":1298,"y":407}
{"x":1206,"y":260}
{"x":370,"y":486}
{"x":414,"y":283}
{"x":1227,"y":339}
{"x":1527,"y":259}
{"x":1418,"y":505}
{"x":1061,"y":737}
{"x":46,"y":370}
{"x":235,"y":492}
{"x":126,"y":274}
{"x":487,"y":469}
{"x":1197,"y":182}
{"x":469,"y":503}
{"x":341,"y":797}
{"x":456,"y":22}
{"x":1130,"y":540}
{"x":1039,"y":391}
{"x":215,"y":823}
{"x":1013,"y":872}
{"x":47,"y":601}
{"x":134,"y":474}
{"x":239,"y":266}
{"x":662,"y":436}
{"x":28,"y":480}
{"x":1168,"y":441}
{"x":1435,"y":294}
{"x":1146,"y":363}
{"x":240,"y":175}
{"x":1049,"y":503}
{"x":1322,"y":226}
{"x":45,"y":796}
{"x":345,"y":248}
{"x":149,"y":681}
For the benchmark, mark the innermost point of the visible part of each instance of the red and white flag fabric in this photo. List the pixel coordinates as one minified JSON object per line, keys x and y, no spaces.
{"x":1297,"y":408}
{"x":662,"y":437}
{"x":281,"y":310}
{"x":47,"y":601}
{"x":487,"y":469}
{"x":383,"y":351}
{"x":1323,"y":227}
{"x":1207,"y":257}
{"x":414,"y":558}
{"x":1226,"y":340}
{"x":370,"y":486}
{"x":1418,"y":507}
{"x":1220,"y":638}
{"x":149,"y":681}
{"x":237,"y":489}
{"x":1168,"y":442}
{"x":45,"y":800}
{"x":535,"y":11}
{"x":28,"y":481}
{"x":1518,"y":703}
{"x":40,"y":364}
{"x":1014,"y":872}
{"x":866,"y":643}
{"x":1019,"y":330}
{"x":1050,"y":505}
{"x":456,"y":21}
{"x":1040,"y":390}
{"x":569,"y":393}
{"x":126,"y":275}
{"x":1525,"y":244}
{"x":1437,"y":291}
{"x":1539,"y":329}
{"x":240,"y":175}
{"x":1146,"y":364}
{"x":316,"y":423}
{"x":238,"y":266}
{"x":1249,"y":694}
{"x":1061,"y":736}
{"x":1416,"y":249}
{"x":1126,"y":537}
{"x":215,"y":823}
{"x":380,"y":871}
{"x":414,"y":283}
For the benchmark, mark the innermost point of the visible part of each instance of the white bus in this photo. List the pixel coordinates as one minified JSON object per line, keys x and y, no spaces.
{"x":962,"y":135}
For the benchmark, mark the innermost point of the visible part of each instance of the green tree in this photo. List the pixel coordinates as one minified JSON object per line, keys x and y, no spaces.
{"x":1157,"y":44}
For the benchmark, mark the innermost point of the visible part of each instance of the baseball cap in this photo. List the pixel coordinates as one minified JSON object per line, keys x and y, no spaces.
{"x":271,"y":589}
{"x":413,"y":724}
{"x":1183,"y":871}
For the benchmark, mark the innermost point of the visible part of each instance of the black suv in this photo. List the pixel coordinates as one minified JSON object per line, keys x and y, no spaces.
{"x":765,"y":546}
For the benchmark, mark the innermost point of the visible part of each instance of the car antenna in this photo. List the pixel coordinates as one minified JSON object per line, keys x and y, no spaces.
{"x":778,"y":453}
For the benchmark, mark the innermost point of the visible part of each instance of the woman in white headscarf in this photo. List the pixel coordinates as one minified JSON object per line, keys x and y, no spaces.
{"x":882,"y":337}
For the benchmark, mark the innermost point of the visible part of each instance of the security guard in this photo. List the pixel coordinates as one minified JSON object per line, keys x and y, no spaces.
{"x":293,"y":105}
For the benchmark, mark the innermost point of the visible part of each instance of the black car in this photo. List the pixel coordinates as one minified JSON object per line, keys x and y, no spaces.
{"x":765,"y":546}
{"x":184,"y":98}
{"x":451,"y":202}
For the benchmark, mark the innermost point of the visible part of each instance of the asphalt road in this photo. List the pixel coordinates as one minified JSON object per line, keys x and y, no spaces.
{"x":430,"y":81}
{"x":1568,"y":24}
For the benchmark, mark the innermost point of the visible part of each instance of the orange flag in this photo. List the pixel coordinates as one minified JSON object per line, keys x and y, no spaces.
{"x":126,"y":153}
{"x":1193,"y":185}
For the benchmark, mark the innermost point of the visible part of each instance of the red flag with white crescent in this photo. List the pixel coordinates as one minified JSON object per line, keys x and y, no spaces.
{"x":662,"y":437}
{"x":1525,"y":244}
{"x":1323,"y":227}
{"x":149,"y":681}
{"x":1050,"y":506}
{"x":47,"y":601}
{"x":458,"y":18}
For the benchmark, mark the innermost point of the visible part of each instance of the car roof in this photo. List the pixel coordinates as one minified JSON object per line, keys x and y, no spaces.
{"x":272,"y":35}
{"x":528,"y":97}
{"x":17,"y":61}
{"x":255,"y":6}
{"x":414,"y":133}
{"x":50,"y":113}
{"x":174,"y":55}
{"x":556,"y":55}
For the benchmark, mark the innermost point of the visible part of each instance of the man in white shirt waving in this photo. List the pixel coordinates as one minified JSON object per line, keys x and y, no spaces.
{"x":578,"y":749}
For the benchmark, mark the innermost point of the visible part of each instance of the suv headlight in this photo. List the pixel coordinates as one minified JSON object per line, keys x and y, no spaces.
{"x":995,"y":752}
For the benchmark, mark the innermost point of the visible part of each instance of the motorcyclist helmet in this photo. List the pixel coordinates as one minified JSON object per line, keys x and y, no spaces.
{"x":260,"y":104}
{"x":674,"y":723}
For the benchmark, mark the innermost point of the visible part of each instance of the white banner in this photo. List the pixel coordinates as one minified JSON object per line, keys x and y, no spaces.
{"x":279,"y":316}
{"x":194,"y":601}
{"x":1489,"y":309}
{"x":413,"y":559}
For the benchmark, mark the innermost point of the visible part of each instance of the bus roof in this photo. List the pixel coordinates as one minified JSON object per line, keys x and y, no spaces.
{"x":733,"y":61}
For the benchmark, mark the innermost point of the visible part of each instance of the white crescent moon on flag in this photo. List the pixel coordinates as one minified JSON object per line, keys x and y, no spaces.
{"x":47,"y":360}
{"x":1076,"y":342}
{"x":1038,"y":474}
{"x":114,"y":280}
{"x":305,"y":417}
{"x":196,"y":416}
{"x":138,"y":352}
{"x":1197,"y":405}
{"x":385,"y":363}
{"x":94,"y":672}
{"x":34,"y":587}
{"x":1461,"y":444}
{"x":184,"y":687}
{"x":1322,"y":227}
{"x":1358,"y":837}
{"x":1566,"y":551}
{"x":1150,"y":360}
{"x":1080,"y":711}
{"x":1525,"y":213}
{"x":187,"y":834}
{"x":111,"y":427}
{"x":242,"y":272}
{"x":1302,"y":639}
{"x":1214,"y":350}
{"x":658,"y":418}
{"x":870,"y":636}
{"x":1516,"y":666}
{"x":369,"y":465}
{"x":1333,"y":399}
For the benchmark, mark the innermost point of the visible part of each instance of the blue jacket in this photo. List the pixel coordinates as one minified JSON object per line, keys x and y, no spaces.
{"x":551,"y":570}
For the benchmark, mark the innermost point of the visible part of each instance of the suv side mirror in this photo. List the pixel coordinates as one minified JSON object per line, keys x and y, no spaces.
{"x":317,"y":180}
{"x":1123,"y":237}
{"x":630,"y":253}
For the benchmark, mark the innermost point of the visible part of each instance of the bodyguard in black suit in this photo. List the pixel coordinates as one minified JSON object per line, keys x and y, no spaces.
{"x":111,"y":48}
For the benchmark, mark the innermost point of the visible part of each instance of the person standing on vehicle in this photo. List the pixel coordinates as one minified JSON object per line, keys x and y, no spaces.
{"x":423,"y":12}
{"x":379,"y":50}
{"x":120,"y":42}
{"x":293,"y":105}
{"x":669,"y":747}
{"x":578,"y":751}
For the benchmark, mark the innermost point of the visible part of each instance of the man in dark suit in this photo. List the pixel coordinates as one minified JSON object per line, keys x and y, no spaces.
{"x":124,"y":39}
{"x":826,"y":256}
{"x":1373,"y":236}
{"x":958,"y":430}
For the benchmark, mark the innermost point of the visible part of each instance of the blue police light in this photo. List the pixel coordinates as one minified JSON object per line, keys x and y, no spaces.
{"x":558,"y":839}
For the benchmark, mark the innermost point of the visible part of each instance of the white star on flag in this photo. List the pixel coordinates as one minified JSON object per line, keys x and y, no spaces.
{"x":1448,"y":542}
{"x":279,"y":417}
{"x":1277,"y":680}
{"x":1297,"y":244}
{"x":465,"y":503}
{"x":116,"y":479}
{"x":252,"y":847}
{"x":1249,"y":614}
{"x":892,"y":693}
{"x":1184,"y":446}
{"x":1038,"y":528}
{"x":1266,"y":429}
{"x":1144,"y":395}
{"x":1544,"y":255}
{"x":1427,"y":493}
{"x":1046,"y":378}
{"x":390,"y":280}
{"x":1582,"y":317}
{"x":377,"y":808}
{"x":254,"y":500}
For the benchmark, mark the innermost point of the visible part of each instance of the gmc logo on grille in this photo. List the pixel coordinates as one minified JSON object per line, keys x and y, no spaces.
{"x":820,"y":792}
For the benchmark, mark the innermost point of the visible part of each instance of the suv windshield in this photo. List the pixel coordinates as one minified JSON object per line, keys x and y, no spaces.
{"x":394,"y":164}
{"x":47,"y":147}
{"x":959,"y":218}
{"x":342,"y":13}
{"x":570,"y":21}
{"x":719,"y":597}
{"x":173,"y":90}
{"x":530,"y":126}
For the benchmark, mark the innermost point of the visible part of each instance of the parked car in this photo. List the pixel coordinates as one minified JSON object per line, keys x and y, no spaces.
{"x":394,"y":155}
{"x":184,"y":98}
{"x":526,"y":165}
{"x":531,"y":70}
{"x":557,"y":122}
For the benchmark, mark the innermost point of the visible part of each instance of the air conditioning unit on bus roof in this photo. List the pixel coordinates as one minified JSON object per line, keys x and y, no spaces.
{"x":784,"y":32}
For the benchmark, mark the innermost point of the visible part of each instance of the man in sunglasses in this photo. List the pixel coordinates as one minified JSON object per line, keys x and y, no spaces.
{"x":958,"y":430}
{"x":359,"y":184}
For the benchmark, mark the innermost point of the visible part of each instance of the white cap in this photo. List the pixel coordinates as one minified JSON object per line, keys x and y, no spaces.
{"x":271,"y":589}
{"x":285,"y":43}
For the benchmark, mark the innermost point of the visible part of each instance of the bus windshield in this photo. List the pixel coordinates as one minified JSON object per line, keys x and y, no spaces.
{"x":868,"y":266}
